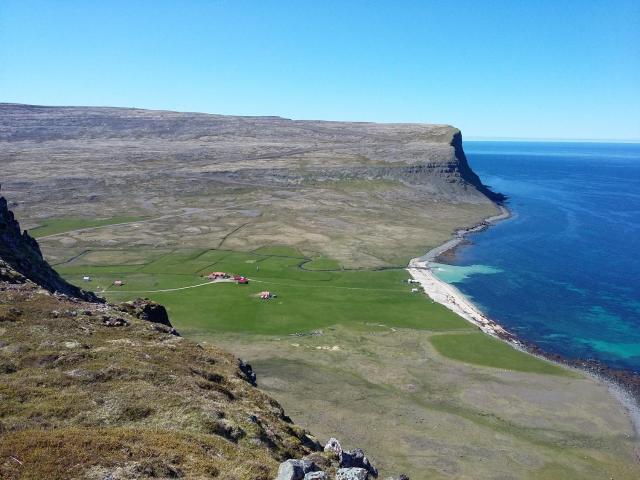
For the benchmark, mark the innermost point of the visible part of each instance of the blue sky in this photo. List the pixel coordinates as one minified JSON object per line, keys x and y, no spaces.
{"x":525,"y":69}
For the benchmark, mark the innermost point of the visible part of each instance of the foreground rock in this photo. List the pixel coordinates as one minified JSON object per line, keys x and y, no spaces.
{"x":333,"y":464}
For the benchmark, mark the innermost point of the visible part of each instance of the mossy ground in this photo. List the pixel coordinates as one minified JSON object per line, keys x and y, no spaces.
{"x":82,"y":399}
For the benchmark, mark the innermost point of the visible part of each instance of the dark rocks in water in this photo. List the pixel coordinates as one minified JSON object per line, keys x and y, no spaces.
{"x":22,"y":253}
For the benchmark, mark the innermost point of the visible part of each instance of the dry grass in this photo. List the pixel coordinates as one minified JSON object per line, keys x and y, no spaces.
{"x":77,"y":397}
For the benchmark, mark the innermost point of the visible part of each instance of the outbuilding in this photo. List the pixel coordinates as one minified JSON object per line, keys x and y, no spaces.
{"x":217,"y":275}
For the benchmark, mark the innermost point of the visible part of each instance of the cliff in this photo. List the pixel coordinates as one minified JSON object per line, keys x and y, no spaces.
{"x":207,"y":181}
{"x":22,"y":253}
{"x":260,"y":150}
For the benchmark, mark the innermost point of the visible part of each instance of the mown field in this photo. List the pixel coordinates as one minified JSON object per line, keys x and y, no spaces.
{"x":311,"y":294}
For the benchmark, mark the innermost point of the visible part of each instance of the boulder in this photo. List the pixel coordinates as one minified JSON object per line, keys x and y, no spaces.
{"x":295,"y":469}
{"x":333,"y":445}
{"x":247,"y":372}
{"x":316,"y":476}
{"x":148,"y":310}
{"x":356,"y":459}
{"x":352,"y":474}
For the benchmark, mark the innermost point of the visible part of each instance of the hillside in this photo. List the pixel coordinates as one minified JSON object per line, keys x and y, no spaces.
{"x":103,"y":391}
{"x":365,"y":194}
{"x":324,"y":216}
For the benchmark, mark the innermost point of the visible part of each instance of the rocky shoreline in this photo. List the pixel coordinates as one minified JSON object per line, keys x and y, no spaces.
{"x":624,"y":384}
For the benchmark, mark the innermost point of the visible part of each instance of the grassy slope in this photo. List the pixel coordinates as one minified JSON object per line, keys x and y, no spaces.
{"x":80,"y":399}
{"x":483,"y":350}
{"x":306,"y":300}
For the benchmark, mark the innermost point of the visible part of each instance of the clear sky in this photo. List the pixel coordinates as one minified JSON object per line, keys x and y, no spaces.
{"x":527,"y":69}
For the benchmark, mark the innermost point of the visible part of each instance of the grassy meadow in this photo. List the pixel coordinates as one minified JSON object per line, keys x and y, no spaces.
{"x":311,"y":294}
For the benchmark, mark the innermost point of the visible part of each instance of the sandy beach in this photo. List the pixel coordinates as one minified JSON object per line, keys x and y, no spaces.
{"x":439,"y":291}
{"x":450,"y":297}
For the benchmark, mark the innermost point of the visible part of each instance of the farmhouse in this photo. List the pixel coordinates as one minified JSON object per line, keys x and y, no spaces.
{"x":217,"y":275}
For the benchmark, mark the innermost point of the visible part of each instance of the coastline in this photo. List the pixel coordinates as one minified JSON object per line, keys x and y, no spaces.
{"x":624,"y":386}
{"x":448,"y":295}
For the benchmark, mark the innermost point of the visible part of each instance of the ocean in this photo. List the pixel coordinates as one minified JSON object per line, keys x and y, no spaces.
{"x":564,"y":271}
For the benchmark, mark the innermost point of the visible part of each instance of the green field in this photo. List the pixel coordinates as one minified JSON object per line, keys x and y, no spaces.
{"x":306,"y":300}
{"x":481,"y":349}
{"x":54,"y":226}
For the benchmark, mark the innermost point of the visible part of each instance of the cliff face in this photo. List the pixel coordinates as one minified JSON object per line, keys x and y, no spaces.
{"x":257,"y":150}
{"x":22,"y":253}
{"x":468,"y":175}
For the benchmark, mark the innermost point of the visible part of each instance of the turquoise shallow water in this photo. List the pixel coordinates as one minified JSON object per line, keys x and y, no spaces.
{"x":564,"y":272}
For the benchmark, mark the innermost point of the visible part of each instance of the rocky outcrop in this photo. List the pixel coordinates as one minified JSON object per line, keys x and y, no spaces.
{"x":151,"y":311}
{"x":22,"y":253}
{"x":333,"y":464}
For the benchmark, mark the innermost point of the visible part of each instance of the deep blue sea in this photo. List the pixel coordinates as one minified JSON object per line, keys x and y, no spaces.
{"x":564,"y":272}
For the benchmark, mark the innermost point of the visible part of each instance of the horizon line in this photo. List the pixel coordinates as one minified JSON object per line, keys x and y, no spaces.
{"x":474,"y":138}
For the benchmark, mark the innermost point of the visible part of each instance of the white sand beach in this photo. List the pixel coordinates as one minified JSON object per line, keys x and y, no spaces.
{"x":439,"y":291}
{"x":450,"y":297}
